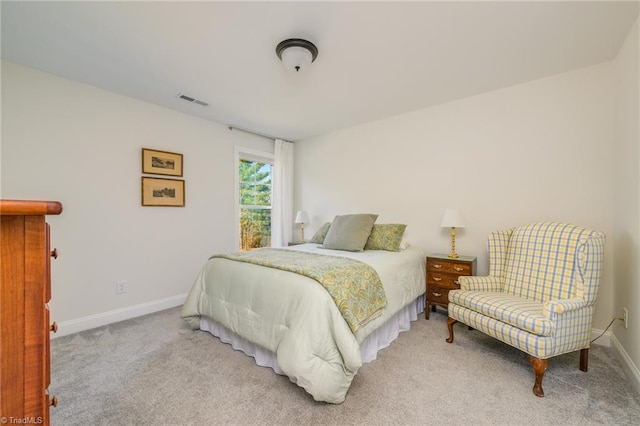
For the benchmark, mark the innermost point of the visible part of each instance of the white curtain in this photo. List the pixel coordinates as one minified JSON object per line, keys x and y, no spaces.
{"x":282,"y":203}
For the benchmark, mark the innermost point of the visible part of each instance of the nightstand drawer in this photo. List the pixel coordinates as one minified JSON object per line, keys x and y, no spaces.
{"x":450,"y":267}
{"x":437,"y":294}
{"x":444,"y":280}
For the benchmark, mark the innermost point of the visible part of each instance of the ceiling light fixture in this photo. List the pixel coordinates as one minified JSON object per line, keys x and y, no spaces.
{"x":296,"y":53}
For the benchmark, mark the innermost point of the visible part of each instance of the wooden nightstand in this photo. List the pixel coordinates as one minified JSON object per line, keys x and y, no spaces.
{"x":442,"y":275}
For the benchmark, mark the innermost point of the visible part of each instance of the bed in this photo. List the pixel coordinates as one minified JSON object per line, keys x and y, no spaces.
{"x":291,"y":323}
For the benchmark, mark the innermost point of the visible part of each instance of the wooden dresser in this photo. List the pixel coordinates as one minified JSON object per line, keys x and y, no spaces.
{"x":442,"y":275}
{"x":25,"y":290}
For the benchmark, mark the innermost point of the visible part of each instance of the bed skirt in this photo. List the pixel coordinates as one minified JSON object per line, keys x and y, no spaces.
{"x":377,"y":340}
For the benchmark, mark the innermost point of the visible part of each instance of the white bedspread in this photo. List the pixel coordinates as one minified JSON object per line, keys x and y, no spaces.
{"x":294,"y":317}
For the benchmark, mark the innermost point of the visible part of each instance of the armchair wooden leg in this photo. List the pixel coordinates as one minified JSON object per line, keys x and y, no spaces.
{"x":584,"y":359}
{"x":450,"y":322}
{"x":539,"y":367}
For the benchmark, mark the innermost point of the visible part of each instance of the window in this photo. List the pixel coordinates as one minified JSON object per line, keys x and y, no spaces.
{"x":254,"y":195}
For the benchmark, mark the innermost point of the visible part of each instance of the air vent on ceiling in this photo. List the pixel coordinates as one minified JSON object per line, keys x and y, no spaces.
{"x":192,"y":100}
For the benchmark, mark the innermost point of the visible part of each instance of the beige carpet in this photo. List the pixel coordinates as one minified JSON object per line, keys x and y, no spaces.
{"x":154,"y":370}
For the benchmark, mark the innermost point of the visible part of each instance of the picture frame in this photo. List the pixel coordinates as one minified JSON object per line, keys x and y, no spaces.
{"x":161,"y":162}
{"x":162,"y":192}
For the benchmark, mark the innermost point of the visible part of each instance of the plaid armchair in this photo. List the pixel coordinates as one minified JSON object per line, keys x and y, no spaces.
{"x":540,"y":294}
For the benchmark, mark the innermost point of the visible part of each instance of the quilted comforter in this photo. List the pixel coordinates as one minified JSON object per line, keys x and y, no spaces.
{"x":354,"y":285}
{"x":295,"y":317}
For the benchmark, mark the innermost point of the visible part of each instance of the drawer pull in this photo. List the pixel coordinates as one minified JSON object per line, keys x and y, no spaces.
{"x":458,"y":268}
{"x":54,"y":327}
{"x":437,"y":265}
{"x":436,"y":294}
{"x":54,"y":253}
{"x":53,"y":401}
{"x":456,"y":282}
{"x":437,"y":279}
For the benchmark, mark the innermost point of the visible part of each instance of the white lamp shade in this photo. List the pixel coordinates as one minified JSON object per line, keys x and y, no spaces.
{"x":302,"y":217}
{"x":452,"y":219}
{"x":296,"y":57}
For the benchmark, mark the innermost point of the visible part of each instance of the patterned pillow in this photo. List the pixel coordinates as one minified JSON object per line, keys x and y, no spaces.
{"x":320,"y":234}
{"x":385,"y":237}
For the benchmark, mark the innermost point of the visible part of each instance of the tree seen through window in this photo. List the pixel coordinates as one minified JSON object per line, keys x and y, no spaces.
{"x":255,"y":204}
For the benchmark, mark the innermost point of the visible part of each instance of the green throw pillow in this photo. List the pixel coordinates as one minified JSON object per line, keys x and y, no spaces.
{"x":349,"y":232}
{"x":385,"y":237}
{"x":320,"y":234}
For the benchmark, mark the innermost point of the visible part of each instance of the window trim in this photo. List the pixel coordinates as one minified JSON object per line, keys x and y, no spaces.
{"x":251,"y":155}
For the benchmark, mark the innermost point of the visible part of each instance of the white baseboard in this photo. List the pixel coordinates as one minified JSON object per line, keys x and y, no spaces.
{"x":81,"y":324}
{"x":609,"y":339}
{"x":627,"y":363}
{"x":604,"y":340}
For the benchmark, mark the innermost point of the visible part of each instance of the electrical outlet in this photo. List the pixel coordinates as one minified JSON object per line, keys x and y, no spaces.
{"x":625,"y":317}
{"x":121,"y":286}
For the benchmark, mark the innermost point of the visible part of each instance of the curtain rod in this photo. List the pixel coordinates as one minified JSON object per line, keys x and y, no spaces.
{"x":250,"y":132}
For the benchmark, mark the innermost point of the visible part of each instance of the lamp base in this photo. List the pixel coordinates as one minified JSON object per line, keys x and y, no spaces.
{"x":453,"y":254}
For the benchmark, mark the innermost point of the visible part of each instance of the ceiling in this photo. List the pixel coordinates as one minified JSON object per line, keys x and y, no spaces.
{"x":376,"y":59}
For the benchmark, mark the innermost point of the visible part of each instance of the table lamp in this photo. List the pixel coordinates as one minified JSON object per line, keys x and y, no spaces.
{"x":452,"y":219}
{"x":302,"y":217}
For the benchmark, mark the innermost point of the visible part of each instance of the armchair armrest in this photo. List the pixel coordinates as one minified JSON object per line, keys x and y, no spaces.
{"x":474,"y":283}
{"x":561,"y":306}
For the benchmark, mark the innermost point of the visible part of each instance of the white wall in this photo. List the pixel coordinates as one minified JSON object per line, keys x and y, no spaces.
{"x":626,"y":237}
{"x":65,"y":141}
{"x":533,"y":152}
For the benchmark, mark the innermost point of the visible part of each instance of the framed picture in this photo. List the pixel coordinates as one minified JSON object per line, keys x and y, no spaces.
{"x":162,"y":192}
{"x":161,"y":162}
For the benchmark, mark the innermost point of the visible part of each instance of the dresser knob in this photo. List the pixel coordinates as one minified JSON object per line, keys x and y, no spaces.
{"x":456,"y":282}
{"x":54,"y":327}
{"x":458,"y":268}
{"x":54,"y":253}
{"x":437,"y":279}
{"x":437,"y":294}
{"x":437,"y":265}
{"x":53,"y":401}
